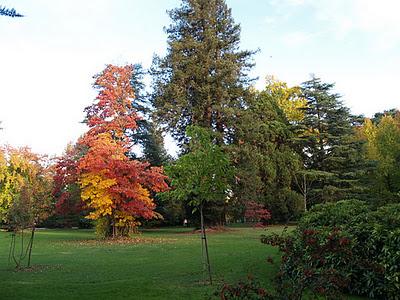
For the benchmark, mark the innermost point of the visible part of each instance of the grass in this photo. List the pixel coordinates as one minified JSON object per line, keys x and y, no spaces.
{"x":165,"y":264}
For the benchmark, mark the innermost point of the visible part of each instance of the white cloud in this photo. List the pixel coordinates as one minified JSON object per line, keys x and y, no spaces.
{"x":297,"y":38}
{"x":378,"y":19}
{"x":340,"y":18}
{"x":296,"y":2}
{"x":269,"y":20}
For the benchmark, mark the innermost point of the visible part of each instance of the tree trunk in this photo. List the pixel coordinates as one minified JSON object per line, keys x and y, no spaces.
{"x":204,"y":246}
{"x":305,"y":192}
{"x":31,"y":244}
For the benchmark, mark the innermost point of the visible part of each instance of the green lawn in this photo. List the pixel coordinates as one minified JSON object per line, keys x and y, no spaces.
{"x":70,"y":264}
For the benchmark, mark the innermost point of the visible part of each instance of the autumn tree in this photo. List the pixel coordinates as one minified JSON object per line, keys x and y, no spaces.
{"x":66,"y":189}
{"x":202,"y":80}
{"x":289,"y":99}
{"x":25,"y":196}
{"x":256,"y":212}
{"x":115,"y":187}
{"x":383,"y":148}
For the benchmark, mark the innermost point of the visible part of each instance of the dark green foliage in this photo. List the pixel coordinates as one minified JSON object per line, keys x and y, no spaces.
{"x":389,"y":112}
{"x":335,"y":214}
{"x":147,"y":134}
{"x":153,"y":146}
{"x":263,"y":158}
{"x":343,"y":247}
{"x":327,"y":144}
{"x":202,"y":80}
{"x":314,"y":260}
{"x":68,"y":220}
{"x":391,"y":259}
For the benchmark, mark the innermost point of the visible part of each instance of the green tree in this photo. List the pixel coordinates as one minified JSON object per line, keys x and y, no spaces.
{"x":147,"y":134}
{"x":202,"y":80}
{"x":201,"y":176}
{"x":153,"y":146}
{"x":383,"y":147}
{"x":389,"y":112}
{"x":264,"y":160}
{"x":327,"y":143}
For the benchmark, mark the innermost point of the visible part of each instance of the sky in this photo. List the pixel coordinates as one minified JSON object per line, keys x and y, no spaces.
{"x":49,"y":57}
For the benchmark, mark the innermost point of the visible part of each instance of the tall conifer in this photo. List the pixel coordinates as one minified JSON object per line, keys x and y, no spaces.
{"x":203,"y":78}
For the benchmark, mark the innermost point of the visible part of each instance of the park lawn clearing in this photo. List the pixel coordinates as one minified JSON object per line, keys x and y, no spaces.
{"x":158,"y":264}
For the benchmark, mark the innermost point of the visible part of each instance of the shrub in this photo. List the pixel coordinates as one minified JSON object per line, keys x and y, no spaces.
{"x":342,"y":247}
{"x":244,"y":290}
{"x":314,"y":260}
{"x":391,"y":263}
{"x":256,"y":212}
{"x":333,"y":214}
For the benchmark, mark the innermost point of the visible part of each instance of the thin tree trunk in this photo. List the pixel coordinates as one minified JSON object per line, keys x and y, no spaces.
{"x":206,"y":261}
{"x":31,"y":245}
{"x":12,"y":248}
{"x":17,"y":262}
{"x":22,"y":244}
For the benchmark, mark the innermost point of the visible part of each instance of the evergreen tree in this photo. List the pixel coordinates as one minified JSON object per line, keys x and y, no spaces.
{"x":153,"y":146}
{"x":147,"y":134}
{"x":390,"y":112}
{"x":202,"y":80}
{"x":264,"y":161}
{"x":328,"y":144}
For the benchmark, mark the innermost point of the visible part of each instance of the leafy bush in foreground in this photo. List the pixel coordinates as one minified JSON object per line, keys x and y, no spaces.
{"x":244,"y":290}
{"x":342,"y":247}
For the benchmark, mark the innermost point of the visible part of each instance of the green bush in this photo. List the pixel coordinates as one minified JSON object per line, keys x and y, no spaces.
{"x":343,"y":247}
{"x":314,"y":261}
{"x":333,"y":214}
{"x":391,"y":263}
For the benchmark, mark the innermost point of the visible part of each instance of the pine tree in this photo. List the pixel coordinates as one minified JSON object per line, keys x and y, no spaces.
{"x":153,"y":146}
{"x":202,"y":80}
{"x":147,"y":134}
{"x":328,"y":144}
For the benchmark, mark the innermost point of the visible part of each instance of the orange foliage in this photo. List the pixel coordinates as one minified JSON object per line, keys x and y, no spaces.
{"x":112,"y":184}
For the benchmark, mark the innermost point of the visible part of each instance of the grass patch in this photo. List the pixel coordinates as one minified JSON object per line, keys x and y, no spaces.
{"x":156,"y":264}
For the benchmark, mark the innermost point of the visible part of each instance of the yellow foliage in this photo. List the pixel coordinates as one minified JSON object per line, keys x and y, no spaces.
{"x":143,"y":195}
{"x":95,"y":192}
{"x":369,"y":131}
{"x":23,"y":175}
{"x":289,"y":99}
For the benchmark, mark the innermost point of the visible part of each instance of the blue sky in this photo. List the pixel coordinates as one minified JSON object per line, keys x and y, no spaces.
{"x":49,"y":57}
